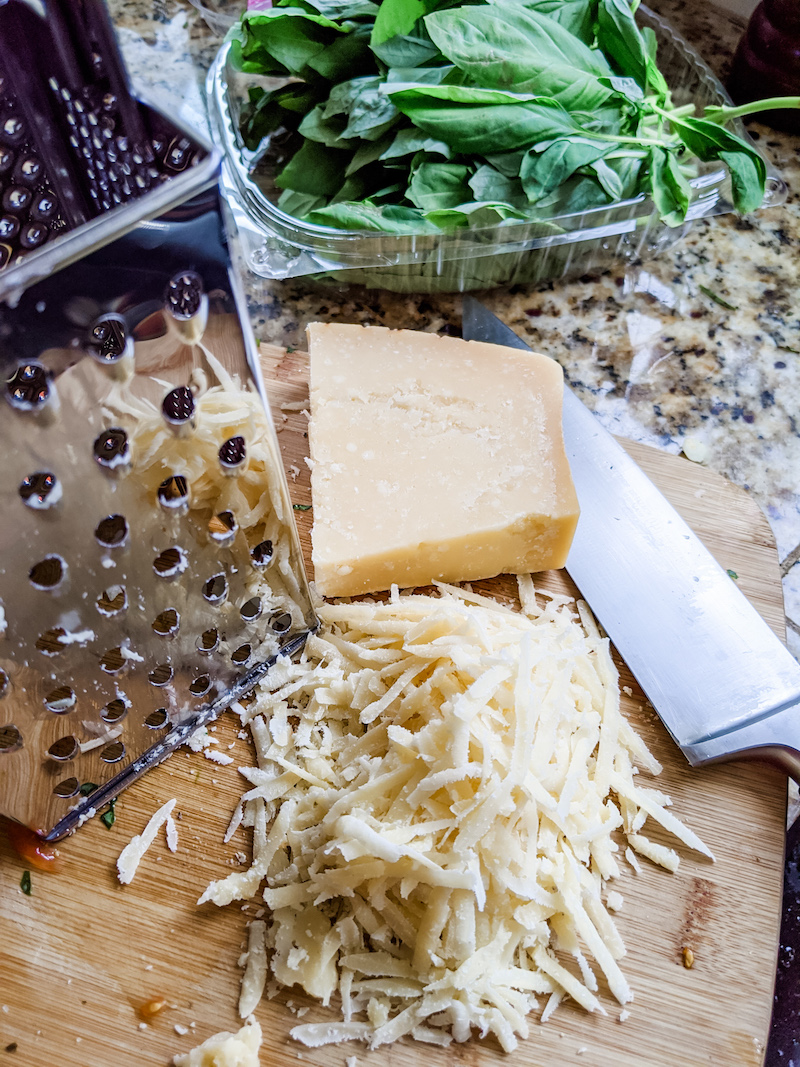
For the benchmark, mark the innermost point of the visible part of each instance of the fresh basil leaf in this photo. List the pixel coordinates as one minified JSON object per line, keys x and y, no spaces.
{"x":420,"y":75}
{"x":577,"y":194}
{"x":328,"y":131}
{"x":109,"y":816}
{"x":655,"y":79}
{"x":345,"y":57}
{"x":489,"y":128}
{"x":576,"y":16}
{"x":314,"y":169}
{"x":608,"y":178}
{"x":748,"y":171}
{"x":481,"y":129}
{"x":505,"y":46}
{"x":489,"y":185}
{"x":435,"y":186}
{"x":542,"y":172}
{"x":337,"y":10}
{"x":619,"y":37}
{"x":369,"y":111}
{"x":508,"y":163}
{"x":628,"y":168}
{"x":410,"y":92}
{"x":474,"y":215}
{"x":367,"y":153}
{"x":283,"y":40}
{"x":299,"y":204}
{"x":396,"y":18}
{"x":410,"y":50}
{"x":25,"y":883}
{"x":748,"y":179}
{"x":626,"y":87}
{"x":384,"y":219}
{"x":411,"y":140}
{"x":669,"y":189}
{"x":269,"y":111}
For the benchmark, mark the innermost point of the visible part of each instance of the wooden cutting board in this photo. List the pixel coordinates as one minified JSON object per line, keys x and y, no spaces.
{"x":82,"y":953}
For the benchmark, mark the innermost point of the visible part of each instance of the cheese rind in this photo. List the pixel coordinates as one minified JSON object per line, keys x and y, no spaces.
{"x":433,"y":458}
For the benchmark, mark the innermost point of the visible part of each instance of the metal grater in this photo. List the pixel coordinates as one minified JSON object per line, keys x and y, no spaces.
{"x":150,"y":569}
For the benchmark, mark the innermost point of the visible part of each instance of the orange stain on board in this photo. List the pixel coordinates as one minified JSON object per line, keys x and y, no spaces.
{"x":31,"y":848}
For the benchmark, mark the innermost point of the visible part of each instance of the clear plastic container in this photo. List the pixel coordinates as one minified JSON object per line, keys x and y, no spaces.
{"x":278,"y":246}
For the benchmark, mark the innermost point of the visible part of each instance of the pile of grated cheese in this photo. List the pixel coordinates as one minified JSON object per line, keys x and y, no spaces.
{"x":439,"y":783}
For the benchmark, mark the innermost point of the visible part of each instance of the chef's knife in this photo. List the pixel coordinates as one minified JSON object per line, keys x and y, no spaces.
{"x":721,"y":681}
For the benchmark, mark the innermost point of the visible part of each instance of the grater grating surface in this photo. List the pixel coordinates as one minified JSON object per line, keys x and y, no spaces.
{"x":149,"y":562}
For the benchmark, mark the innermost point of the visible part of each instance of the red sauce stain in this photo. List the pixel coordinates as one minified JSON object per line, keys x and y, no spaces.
{"x":30,"y":847}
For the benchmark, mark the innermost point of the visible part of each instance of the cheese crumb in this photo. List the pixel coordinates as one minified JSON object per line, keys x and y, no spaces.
{"x":225,"y":1049}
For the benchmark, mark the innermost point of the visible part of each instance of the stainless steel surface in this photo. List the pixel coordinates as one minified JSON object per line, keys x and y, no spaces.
{"x":149,"y":570}
{"x":721,"y":681}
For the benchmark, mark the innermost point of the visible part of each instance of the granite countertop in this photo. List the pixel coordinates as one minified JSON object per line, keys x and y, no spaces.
{"x":695,"y":351}
{"x":654,"y":348}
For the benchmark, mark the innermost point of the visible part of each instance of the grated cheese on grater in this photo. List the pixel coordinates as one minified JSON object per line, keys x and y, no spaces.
{"x":254,"y":496}
{"x":438,"y":787}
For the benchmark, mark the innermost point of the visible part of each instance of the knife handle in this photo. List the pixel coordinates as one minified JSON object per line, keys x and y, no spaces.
{"x":774,"y":737}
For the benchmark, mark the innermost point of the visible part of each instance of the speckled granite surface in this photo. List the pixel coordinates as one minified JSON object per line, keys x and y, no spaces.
{"x":695,"y":351}
{"x":652,"y":349}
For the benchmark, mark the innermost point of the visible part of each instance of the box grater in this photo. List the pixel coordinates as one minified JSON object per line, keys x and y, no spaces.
{"x":150,"y":569}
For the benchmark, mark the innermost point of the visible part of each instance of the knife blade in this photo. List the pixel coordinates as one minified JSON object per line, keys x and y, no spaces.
{"x":722,"y":683}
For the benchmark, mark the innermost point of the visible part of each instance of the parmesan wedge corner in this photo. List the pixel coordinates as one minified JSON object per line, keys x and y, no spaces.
{"x":433,"y":458}
{"x":439,"y":789}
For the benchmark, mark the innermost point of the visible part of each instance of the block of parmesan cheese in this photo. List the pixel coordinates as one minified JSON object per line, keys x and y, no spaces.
{"x":433,"y":458}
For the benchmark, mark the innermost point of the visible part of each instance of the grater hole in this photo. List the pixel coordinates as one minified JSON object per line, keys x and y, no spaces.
{"x":40,"y":490}
{"x":48,"y":573}
{"x":115,"y":710}
{"x":170,"y":562}
{"x":108,"y":339}
{"x":280,"y":622}
{"x":208,"y":641}
{"x":10,"y":738}
{"x":232,"y":453}
{"x":161,"y":674}
{"x":112,"y":661}
{"x":215,"y":589}
{"x":184,"y":295}
{"x":66,"y":748}
{"x":60,"y":700}
{"x":113,"y":753}
{"x":167,"y":623}
{"x":3,"y":683}
{"x":262,"y":554}
{"x":68,"y":788}
{"x":28,"y":387}
{"x":51,"y":642}
{"x":112,"y":600}
{"x":156,"y":719}
{"x":200,"y":686}
{"x":251,"y":609}
{"x":111,"y":448}
{"x":173,"y":493}
{"x":222,"y":528}
{"x":178,"y":406}
{"x":242,"y":655}
{"x":112,"y":531}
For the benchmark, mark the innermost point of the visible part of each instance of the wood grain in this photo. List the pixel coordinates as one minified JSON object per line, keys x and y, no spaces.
{"x":81,"y":953}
